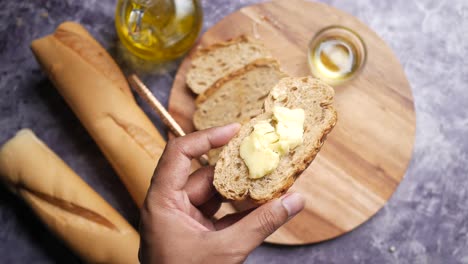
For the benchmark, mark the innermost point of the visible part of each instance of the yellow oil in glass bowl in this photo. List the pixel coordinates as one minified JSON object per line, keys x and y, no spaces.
{"x":158,"y":30}
{"x":336,"y":54}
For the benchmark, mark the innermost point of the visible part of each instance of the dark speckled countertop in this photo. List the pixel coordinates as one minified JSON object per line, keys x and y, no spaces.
{"x":426,"y":221}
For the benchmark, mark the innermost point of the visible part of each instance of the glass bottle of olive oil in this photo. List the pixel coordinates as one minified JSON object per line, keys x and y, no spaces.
{"x":158,"y":30}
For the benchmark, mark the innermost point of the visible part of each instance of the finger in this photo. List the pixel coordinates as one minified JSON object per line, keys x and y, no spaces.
{"x":230,"y":219}
{"x":263,"y":221}
{"x":174,"y":166}
{"x":199,"y":187}
{"x":211,"y":206}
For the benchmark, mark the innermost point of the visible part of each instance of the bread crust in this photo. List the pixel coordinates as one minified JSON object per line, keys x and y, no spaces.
{"x":241,"y":38}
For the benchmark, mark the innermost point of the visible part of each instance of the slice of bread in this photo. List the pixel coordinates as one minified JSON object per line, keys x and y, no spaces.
{"x":315,"y":98}
{"x":214,"y":62}
{"x":237,"y":97}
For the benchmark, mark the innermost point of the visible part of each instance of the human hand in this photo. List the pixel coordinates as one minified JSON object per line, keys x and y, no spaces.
{"x":176,"y":218}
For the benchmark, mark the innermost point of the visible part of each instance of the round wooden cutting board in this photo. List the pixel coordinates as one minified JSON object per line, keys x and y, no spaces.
{"x":366,"y":155}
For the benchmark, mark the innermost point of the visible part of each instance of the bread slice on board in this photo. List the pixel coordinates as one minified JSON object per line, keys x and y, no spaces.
{"x":316,"y":98}
{"x":237,"y":97}
{"x":216,"y":61}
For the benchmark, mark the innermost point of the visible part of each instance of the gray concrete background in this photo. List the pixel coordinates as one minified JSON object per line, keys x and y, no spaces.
{"x":426,"y":221}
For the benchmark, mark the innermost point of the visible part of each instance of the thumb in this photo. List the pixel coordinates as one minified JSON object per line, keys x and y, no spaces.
{"x":249,"y":232}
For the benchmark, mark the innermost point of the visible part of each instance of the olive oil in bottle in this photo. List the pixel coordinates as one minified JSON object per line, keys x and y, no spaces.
{"x":158,"y":30}
{"x":336,"y":54}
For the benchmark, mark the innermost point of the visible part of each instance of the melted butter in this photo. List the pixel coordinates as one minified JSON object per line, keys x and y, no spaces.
{"x":271,"y":139}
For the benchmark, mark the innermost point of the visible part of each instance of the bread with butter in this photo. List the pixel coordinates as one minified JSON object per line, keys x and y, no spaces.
{"x":231,"y":177}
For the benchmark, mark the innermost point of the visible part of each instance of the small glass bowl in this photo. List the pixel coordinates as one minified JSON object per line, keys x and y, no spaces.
{"x":328,"y":47}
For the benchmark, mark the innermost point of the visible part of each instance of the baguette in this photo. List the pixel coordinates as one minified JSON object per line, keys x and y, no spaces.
{"x":216,"y":61}
{"x":97,"y":92}
{"x":315,"y":98}
{"x":65,"y":203}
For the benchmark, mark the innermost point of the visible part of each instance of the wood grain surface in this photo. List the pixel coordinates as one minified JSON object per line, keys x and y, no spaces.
{"x":366,"y":155}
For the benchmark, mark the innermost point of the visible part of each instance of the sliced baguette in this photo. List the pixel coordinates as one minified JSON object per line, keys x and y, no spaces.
{"x":238,"y":96}
{"x":316,"y":98}
{"x":212,"y":63}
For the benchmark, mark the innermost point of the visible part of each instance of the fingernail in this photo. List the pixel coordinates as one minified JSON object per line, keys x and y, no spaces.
{"x":293,"y":203}
{"x":229,"y":129}
{"x":233,"y":126}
